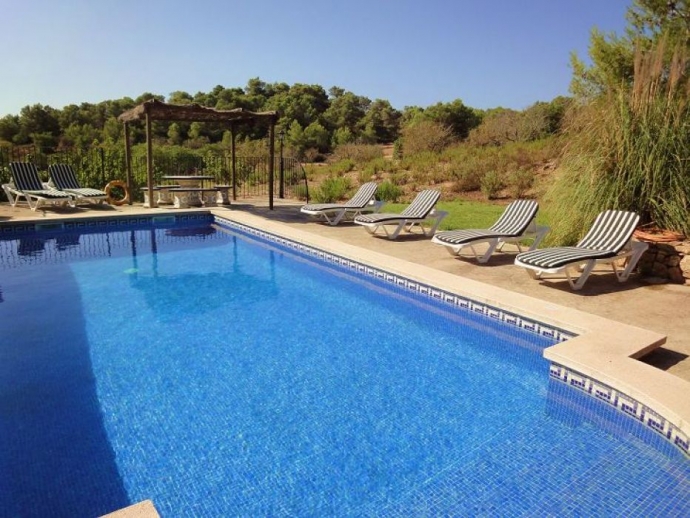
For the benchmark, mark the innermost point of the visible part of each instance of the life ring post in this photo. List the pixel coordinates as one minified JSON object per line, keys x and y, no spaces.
{"x":111,"y":199}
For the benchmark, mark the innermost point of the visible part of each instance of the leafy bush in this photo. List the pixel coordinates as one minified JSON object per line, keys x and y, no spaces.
{"x":359,"y":153}
{"x":388,"y":192}
{"x":332,"y":189}
{"x":491,"y":184}
{"x":466,"y":180}
{"x":399,"y":178}
{"x":300,"y":192}
{"x":426,"y":135}
{"x":342,"y":166}
{"x":520,"y":182}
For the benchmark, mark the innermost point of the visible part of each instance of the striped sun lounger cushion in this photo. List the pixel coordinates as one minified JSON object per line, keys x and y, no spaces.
{"x":512,"y":223}
{"x":611,"y":231}
{"x":26,"y":179}
{"x":64,"y":179}
{"x":419,"y":209}
{"x":360,"y":200}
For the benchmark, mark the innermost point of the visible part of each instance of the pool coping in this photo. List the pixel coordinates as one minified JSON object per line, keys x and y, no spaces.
{"x":600,"y":360}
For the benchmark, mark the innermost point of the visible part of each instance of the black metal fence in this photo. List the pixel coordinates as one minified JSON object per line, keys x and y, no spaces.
{"x":96,"y":167}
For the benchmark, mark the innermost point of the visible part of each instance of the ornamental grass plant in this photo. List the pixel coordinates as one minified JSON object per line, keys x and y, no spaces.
{"x":629,"y":149}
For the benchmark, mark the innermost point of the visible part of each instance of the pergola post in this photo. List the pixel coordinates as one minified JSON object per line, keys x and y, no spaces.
{"x":128,"y":162}
{"x":271,"y":161}
{"x":234,"y":168}
{"x":149,"y":161}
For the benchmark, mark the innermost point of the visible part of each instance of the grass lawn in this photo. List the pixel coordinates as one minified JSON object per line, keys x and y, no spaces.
{"x":464,"y":214}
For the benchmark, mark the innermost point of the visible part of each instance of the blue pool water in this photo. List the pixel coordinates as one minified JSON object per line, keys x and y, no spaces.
{"x":222,"y":376}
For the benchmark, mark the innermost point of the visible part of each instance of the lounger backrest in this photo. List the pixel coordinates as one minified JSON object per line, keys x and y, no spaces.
{"x":611,"y":231}
{"x":516,"y":218}
{"x":63,"y":176}
{"x":25,"y":175}
{"x":363,"y":195}
{"x":422,"y":205}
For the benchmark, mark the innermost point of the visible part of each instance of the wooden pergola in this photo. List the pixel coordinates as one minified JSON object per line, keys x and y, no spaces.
{"x":153,"y":110}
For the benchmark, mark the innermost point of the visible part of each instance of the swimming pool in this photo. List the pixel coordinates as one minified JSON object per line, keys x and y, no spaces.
{"x":218,"y":374}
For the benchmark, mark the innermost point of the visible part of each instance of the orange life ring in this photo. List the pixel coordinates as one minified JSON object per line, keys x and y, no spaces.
{"x":122,"y":185}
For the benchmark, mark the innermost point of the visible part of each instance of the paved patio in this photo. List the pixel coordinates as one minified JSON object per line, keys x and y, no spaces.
{"x":660,"y":308}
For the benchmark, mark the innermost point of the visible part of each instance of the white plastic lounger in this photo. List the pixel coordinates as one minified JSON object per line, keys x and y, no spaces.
{"x":608,"y":241}
{"x":363,"y":202}
{"x":419,"y":212}
{"x":27,"y":184}
{"x":63,"y":179}
{"x":515,"y":224}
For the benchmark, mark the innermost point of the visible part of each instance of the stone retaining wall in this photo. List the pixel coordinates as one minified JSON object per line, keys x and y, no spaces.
{"x":667,"y":261}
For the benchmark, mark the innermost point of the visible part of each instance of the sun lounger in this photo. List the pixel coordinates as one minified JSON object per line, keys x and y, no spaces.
{"x":63,"y":178}
{"x":418,"y":213}
{"x":607,"y":242}
{"x":363,"y":202}
{"x":515,"y":224}
{"x":26,"y":183}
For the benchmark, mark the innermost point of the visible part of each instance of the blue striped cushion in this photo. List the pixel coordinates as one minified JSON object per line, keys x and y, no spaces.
{"x":610,"y":232}
{"x":512,"y":223}
{"x":25,"y":175}
{"x":63,"y":176}
{"x":419,"y":209}
{"x":360,"y":200}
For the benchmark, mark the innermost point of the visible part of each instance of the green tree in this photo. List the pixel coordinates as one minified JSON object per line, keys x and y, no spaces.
{"x":612,"y":55}
{"x":346,"y":110}
{"x":9,"y":128}
{"x":175,"y":135}
{"x":316,"y":136}
{"x":460,"y":118}
{"x":38,"y":123}
{"x":381,"y":122}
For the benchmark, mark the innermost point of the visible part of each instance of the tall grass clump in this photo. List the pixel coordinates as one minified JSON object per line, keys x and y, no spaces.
{"x":629,"y":150}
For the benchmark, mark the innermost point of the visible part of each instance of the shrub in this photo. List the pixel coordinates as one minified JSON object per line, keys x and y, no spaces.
{"x":520,"y":182}
{"x":359,"y":153}
{"x":332,"y":189}
{"x":466,"y":181}
{"x":426,"y":135}
{"x":300,"y":192}
{"x":342,"y":167}
{"x":399,"y":178}
{"x":491,"y":184}
{"x":388,"y":192}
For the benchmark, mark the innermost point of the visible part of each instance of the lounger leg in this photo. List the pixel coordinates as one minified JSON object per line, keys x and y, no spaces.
{"x":338,"y":217}
{"x":438,"y":216}
{"x":487,"y":255}
{"x":637,"y":250}
{"x":397,"y":230}
{"x":576,"y":285}
{"x":541,"y":234}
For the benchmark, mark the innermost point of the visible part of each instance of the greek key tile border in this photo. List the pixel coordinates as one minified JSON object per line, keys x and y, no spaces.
{"x":557,"y":335}
{"x":624,"y":404}
{"x":103,"y":223}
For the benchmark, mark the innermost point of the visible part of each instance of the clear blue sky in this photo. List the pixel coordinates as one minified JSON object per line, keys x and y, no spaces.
{"x":508,"y":53}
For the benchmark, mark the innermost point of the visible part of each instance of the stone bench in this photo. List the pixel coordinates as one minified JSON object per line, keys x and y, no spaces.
{"x":223,"y":194}
{"x":194,"y":197}
{"x":163,"y":195}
